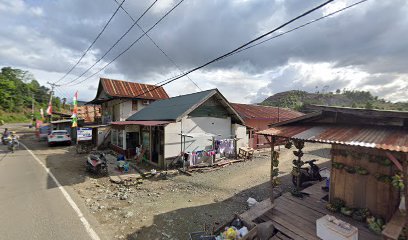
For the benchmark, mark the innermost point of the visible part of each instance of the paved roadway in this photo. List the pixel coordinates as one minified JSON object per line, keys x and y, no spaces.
{"x":31,"y":204}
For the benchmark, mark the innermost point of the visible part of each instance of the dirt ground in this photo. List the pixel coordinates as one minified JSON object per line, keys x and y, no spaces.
{"x":171,"y":208}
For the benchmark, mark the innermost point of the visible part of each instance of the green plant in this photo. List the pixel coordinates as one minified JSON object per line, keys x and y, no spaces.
{"x":346,"y":211}
{"x":361,"y":214}
{"x":361,"y":170}
{"x":383,"y":178}
{"x":337,"y":203}
{"x":288,"y":144}
{"x":375,"y":224}
{"x":331,"y":208}
{"x":397,"y":181}
{"x":338,"y":165}
{"x":350,"y":169}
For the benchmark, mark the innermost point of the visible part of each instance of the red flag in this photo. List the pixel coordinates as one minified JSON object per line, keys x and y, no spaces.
{"x":49,"y":109}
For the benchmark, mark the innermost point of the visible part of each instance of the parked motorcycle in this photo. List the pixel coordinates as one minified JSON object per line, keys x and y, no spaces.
{"x":97,"y":163}
{"x":307,"y":175}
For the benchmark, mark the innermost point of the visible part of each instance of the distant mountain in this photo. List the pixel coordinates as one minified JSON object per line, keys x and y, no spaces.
{"x":296,"y":99}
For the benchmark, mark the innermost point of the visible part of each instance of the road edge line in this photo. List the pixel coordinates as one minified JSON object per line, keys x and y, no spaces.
{"x":71,"y":202}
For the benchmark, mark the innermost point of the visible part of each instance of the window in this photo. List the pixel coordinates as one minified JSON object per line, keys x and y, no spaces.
{"x":120,"y":139}
{"x":134,"y":105}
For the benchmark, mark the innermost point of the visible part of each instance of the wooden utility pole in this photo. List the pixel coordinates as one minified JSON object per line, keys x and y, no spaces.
{"x":53,"y":86}
{"x":272,"y":156}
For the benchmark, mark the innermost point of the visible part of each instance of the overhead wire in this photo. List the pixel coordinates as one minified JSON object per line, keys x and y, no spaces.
{"x":158,"y":47}
{"x":114,"y":45}
{"x":93,"y":42}
{"x":247,"y":46}
{"x":131,"y":45}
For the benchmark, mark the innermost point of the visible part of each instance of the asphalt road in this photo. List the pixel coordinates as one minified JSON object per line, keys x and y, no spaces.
{"x":31,"y":204}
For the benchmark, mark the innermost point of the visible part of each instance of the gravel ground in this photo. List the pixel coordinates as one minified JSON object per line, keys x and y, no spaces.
{"x":171,"y":208}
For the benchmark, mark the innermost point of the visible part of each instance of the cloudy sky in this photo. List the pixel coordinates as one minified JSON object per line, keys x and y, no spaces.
{"x":364,"y":48}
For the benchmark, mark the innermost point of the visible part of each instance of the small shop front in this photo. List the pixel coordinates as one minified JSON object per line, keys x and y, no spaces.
{"x":148,"y":136}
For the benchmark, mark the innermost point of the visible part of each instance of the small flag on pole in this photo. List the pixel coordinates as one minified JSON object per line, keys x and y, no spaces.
{"x":49,"y":109}
{"x":75,"y":111}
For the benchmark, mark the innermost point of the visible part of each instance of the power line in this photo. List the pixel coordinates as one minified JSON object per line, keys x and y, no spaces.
{"x":116,"y":43}
{"x":301,"y":26}
{"x":239,"y":48}
{"x":131,"y":45}
{"x":93,"y":42}
{"x":157,"y":46}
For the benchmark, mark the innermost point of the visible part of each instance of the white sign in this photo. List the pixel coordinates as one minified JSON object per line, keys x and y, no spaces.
{"x":84,"y":134}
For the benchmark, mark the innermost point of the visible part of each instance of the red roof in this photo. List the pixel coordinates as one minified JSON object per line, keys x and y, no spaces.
{"x":380,"y":137}
{"x":250,"y":111}
{"x":119,"y":88}
{"x":144,"y":123}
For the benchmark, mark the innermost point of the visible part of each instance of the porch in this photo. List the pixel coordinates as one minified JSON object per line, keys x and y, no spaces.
{"x":296,"y":218}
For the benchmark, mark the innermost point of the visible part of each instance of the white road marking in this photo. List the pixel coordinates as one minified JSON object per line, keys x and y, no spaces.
{"x":86,"y":224}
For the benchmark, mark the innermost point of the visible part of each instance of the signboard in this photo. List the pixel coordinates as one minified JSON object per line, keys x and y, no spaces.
{"x":84,"y":134}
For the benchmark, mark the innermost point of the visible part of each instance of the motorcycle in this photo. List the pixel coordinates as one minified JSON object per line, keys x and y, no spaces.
{"x":97,"y":163}
{"x":13,"y":144}
{"x":307,"y":175}
{"x":5,"y":139}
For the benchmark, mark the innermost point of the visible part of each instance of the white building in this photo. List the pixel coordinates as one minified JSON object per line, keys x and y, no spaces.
{"x":121,"y":99}
{"x":186,"y":123}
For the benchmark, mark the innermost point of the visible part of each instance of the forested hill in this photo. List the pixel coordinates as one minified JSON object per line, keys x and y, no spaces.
{"x":296,"y":99}
{"x":17,"y":89}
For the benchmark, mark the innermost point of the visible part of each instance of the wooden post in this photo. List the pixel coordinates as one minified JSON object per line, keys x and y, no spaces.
{"x":213,"y":148}
{"x":235,"y":147}
{"x":272,"y":153}
{"x":405,"y":178}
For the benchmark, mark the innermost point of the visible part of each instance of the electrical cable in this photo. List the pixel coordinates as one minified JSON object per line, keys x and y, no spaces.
{"x":240,"y":47}
{"x":114,"y":45}
{"x":93,"y":42}
{"x":131,"y":45}
{"x":157,"y":46}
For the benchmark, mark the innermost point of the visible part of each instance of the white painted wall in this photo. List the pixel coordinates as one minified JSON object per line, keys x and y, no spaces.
{"x":240,"y":132}
{"x":120,"y":109}
{"x":201,"y":128}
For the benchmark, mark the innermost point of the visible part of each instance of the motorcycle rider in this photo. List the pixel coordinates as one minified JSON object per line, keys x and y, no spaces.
{"x":6,"y":134}
{"x":13,"y":142}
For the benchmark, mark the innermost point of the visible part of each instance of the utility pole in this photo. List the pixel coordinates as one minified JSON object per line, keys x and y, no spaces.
{"x":53,"y":86}
{"x":32,"y":109}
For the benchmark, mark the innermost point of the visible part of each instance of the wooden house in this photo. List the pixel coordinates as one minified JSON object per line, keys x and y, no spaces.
{"x":369,"y":147}
{"x":258,"y":118}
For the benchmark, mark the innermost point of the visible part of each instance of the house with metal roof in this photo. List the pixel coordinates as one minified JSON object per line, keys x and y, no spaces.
{"x":183,"y":124}
{"x":259,"y":117}
{"x":369,"y":154}
{"x":121,"y":99}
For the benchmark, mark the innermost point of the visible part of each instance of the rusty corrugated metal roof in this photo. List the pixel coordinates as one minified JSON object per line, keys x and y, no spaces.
{"x":385,"y":138}
{"x":119,"y":88}
{"x":144,"y":123}
{"x":250,"y":111}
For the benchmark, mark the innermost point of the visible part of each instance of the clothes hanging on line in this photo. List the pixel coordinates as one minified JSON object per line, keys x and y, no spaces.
{"x":225,"y":146}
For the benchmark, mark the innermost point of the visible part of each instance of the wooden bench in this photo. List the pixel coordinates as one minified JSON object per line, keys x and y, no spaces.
{"x":394,"y":227}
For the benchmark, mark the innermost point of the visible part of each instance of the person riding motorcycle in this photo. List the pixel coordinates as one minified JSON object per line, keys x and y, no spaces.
{"x":13,"y":143}
{"x":5,"y":138}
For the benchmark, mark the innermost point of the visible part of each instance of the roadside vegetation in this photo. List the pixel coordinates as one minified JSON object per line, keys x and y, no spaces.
{"x":297,"y":100}
{"x":18,"y":89}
